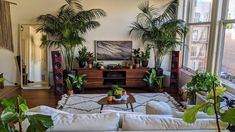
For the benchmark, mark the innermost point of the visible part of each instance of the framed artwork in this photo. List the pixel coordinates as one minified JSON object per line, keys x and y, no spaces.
{"x":113,"y":50}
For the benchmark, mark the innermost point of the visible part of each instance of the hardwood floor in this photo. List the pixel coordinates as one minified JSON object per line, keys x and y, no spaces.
{"x":47,"y":97}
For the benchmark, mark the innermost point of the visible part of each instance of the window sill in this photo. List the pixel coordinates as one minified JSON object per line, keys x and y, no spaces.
{"x":229,"y":85}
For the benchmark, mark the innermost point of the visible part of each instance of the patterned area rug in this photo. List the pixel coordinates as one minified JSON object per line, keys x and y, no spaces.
{"x":87,"y":103}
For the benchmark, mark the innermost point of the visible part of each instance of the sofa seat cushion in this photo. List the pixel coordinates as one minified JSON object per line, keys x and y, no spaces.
{"x":162,"y":122}
{"x":158,"y":108}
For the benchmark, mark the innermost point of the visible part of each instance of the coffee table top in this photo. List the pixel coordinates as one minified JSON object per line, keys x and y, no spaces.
{"x":104,"y":101}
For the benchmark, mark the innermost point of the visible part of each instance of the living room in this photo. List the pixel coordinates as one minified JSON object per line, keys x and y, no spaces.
{"x":143,"y":65}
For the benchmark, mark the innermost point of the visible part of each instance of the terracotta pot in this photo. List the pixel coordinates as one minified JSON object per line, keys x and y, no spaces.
{"x":70,"y":92}
{"x":90,"y":66}
{"x":110,"y":98}
{"x":131,"y":66}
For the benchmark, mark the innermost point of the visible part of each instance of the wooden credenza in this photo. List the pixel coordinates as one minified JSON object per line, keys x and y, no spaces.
{"x":96,"y":78}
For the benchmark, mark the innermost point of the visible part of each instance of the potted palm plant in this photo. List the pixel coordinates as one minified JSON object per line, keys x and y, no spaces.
{"x":145,"y":55}
{"x":82,"y":56}
{"x":66,"y":29}
{"x":163,"y":31}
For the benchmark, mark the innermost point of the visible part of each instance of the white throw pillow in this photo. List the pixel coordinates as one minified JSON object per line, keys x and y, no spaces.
{"x":200,"y":115}
{"x":158,"y":108}
{"x":133,"y":122}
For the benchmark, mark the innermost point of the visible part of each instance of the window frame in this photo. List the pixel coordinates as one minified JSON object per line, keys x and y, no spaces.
{"x":187,"y":13}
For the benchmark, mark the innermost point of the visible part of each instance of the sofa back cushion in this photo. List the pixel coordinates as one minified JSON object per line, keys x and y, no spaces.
{"x":162,"y":122}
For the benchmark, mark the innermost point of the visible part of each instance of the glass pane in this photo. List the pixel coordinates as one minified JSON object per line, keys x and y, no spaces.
{"x":195,"y":51}
{"x":200,"y":11}
{"x":231,"y":10}
{"x":228,"y":60}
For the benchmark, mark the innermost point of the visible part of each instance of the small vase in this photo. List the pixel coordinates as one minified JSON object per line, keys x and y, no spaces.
{"x":70,"y":92}
{"x":90,"y":66}
{"x":131,"y":67}
{"x":137,"y":65}
{"x":110,"y":98}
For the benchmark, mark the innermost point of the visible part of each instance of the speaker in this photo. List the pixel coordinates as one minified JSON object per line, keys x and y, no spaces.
{"x":58,"y":72}
{"x":175,"y":72}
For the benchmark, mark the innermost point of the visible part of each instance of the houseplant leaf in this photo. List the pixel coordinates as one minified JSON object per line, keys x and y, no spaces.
{"x":219,"y":92}
{"x":39,"y":123}
{"x":229,"y":116}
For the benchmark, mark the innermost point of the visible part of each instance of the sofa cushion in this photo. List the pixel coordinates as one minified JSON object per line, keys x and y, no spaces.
{"x":133,"y":122}
{"x":158,"y":108}
{"x":64,"y":121}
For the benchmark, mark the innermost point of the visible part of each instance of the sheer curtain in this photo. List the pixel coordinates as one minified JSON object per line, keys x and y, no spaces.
{"x":6,"y":40}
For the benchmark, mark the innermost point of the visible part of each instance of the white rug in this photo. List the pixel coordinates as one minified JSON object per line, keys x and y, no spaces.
{"x":87,"y":103}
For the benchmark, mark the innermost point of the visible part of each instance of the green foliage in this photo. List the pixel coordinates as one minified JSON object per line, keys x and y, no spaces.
{"x":74,"y":81}
{"x":145,"y":55}
{"x":110,"y":93}
{"x":82,"y":54}
{"x":117,"y":90}
{"x":15,"y":111}
{"x":136,"y":53}
{"x":159,"y":29}
{"x":90,"y":58}
{"x":2,"y":79}
{"x":99,"y":64}
{"x":67,"y":28}
{"x":151,"y":78}
{"x":209,"y":108}
{"x":201,"y":81}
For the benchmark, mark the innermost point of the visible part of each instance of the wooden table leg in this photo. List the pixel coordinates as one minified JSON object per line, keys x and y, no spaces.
{"x":127,"y":106}
{"x":132,"y":109}
{"x":101,"y":108}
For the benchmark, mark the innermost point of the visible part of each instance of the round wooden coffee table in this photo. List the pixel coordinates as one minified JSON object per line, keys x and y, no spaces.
{"x":130,"y":100}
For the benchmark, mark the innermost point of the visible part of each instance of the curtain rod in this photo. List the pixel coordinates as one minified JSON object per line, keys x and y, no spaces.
{"x":9,"y":2}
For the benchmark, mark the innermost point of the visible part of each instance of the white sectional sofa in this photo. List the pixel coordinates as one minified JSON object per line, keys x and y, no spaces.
{"x":121,"y":121}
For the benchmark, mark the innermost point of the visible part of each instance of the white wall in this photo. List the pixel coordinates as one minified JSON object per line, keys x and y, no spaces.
{"x":120,"y":14}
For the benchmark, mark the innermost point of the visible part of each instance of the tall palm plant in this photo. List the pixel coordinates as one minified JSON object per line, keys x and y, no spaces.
{"x":160,"y":28}
{"x":66,"y":29}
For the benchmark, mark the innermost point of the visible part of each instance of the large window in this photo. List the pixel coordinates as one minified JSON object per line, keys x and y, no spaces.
{"x":227,"y":61}
{"x":199,"y":20}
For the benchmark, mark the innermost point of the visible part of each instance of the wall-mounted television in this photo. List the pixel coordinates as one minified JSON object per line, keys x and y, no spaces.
{"x":113,"y":50}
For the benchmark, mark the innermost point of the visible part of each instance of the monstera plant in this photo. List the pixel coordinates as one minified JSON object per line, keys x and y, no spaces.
{"x":66,"y":29}
{"x":160,"y":28}
{"x":15,"y":112}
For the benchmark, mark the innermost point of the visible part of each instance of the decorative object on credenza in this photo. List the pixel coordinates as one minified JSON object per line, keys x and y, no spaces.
{"x":69,"y":33}
{"x":145,"y":55}
{"x":90,"y":60}
{"x":2,"y":79}
{"x":58,"y":72}
{"x":136,"y":56}
{"x":113,"y":50}
{"x":82,"y":56}
{"x":114,"y":66}
{"x":100,"y":65}
{"x":160,"y":31}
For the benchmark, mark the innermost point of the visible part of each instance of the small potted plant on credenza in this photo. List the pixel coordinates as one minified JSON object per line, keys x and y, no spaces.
{"x":90,"y":60}
{"x":136,"y":56}
{"x":145,"y":55}
{"x":82,"y":56}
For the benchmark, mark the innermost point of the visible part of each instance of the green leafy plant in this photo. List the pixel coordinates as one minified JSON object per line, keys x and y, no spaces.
{"x":99,"y":64}
{"x":151,"y":78}
{"x":2,"y":79}
{"x":163,"y":31}
{"x":136,"y":55}
{"x":67,"y":28}
{"x":15,"y":111}
{"x":201,"y":81}
{"x":117,"y":91}
{"x":90,"y":58}
{"x":145,"y":55}
{"x":75,"y":82}
{"x":110,"y":93}
{"x":82,"y":56}
{"x":212,"y":106}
